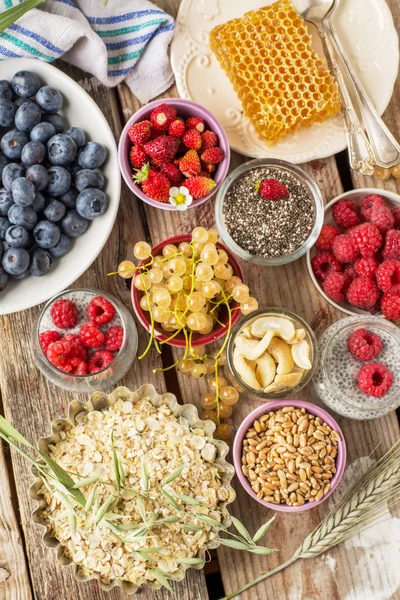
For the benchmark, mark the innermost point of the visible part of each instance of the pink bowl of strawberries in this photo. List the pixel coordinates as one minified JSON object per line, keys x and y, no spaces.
{"x":173,"y":154}
{"x":355,"y":263}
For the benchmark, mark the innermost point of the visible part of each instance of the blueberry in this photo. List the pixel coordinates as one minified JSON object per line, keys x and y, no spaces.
{"x":40,"y":262}
{"x":86,"y":178}
{"x":6,"y":201}
{"x":33,"y":153}
{"x":49,"y":99}
{"x":37,"y":174}
{"x":22,"y":275}
{"x":23,"y":191}
{"x":25,"y":83}
{"x":22,"y":215}
{"x":4,"y":225}
{"x":78,"y":135}
{"x":46,"y":234}
{"x":56,"y":120}
{"x":3,"y":162}
{"x":73,"y":167}
{"x":61,"y":149}
{"x":69,"y":199}
{"x":7,"y":112}
{"x":73,"y":224}
{"x":92,"y":156}
{"x":12,"y":143}
{"x":3,"y":279}
{"x":59,"y":181}
{"x":17,"y":237}
{"x":61,"y":248}
{"x":6,"y":91}
{"x":11,"y":172}
{"x":20,"y":101}
{"x":91,"y":203}
{"x":42,"y":132}
{"x":27,"y":116}
{"x":39,"y":202}
{"x":55,"y":210}
{"x":15,"y":261}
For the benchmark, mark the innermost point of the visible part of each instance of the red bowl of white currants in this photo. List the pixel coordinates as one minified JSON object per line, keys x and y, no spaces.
{"x":184,"y":294}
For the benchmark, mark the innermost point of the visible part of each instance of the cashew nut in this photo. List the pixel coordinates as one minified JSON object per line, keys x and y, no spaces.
{"x":281,"y":353}
{"x":282,"y":327}
{"x":299,"y":335}
{"x":266,"y":369}
{"x":283,"y":381}
{"x":301,"y":354}
{"x":245,"y":371}
{"x":252,"y":349}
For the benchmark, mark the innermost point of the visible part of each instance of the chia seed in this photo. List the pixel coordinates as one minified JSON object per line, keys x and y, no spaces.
{"x":268,"y":228}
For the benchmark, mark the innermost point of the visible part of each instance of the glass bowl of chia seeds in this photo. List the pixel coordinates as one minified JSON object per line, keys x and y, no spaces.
{"x":335,"y":381}
{"x":269,"y":232}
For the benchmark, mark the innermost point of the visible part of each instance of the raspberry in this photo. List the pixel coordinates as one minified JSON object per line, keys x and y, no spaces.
{"x":391,"y":248}
{"x":343,"y":249}
{"x":388,"y":276}
{"x":113,"y":338}
{"x":396,"y":216}
{"x":390,"y":306}
{"x":209,"y":140}
{"x":366,"y":266}
{"x":375,"y":379}
{"x":336,"y":285}
{"x":48,"y":337}
{"x":325,"y":263}
{"x":364,"y":344}
{"x":79,"y":367}
{"x":370,"y":202}
{"x":344,"y":214}
{"x":177,"y":128}
{"x":326,"y":237}
{"x":366,"y":239}
{"x":363,"y":292}
{"x":382,"y":218}
{"x":64,"y":314}
{"x":91,"y":336}
{"x":58,"y":355}
{"x":100,"y":310}
{"x":350,"y":272}
{"x":78,"y":349}
{"x":99,"y":360}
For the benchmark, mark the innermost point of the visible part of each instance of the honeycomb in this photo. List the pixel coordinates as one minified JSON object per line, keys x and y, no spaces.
{"x":282,"y":83}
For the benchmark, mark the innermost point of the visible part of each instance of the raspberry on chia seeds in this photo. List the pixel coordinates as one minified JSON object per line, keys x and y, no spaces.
{"x":48,"y":337}
{"x":100,"y":310}
{"x":344,"y":213}
{"x":99,"y":360}
{"x":335,"y":286}
{"x":364,"y":344}
{"x":343,"y":249}
{"x":58,"y":355}
{"x":78,"y":349}
{"x":91,"y":336}
{"x":64,"y":314}
{"x":79,"y":367}
{"x":113,"y":338}
{"x":325,"y":263}
{"x":363,"y":293}
{"x":375,"y":379}
{"x":326,"y":237}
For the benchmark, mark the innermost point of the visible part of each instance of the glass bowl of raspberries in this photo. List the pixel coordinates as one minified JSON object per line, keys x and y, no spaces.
{"x":358,"y":374}
{"x":84,"y":340}
{"x":173,"y":154}
{"x":355,"y":262}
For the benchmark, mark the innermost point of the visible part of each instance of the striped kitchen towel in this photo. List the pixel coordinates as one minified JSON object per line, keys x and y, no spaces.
{"x":119,"y":40}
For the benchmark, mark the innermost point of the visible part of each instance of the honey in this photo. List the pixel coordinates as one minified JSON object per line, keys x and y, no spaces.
{"x":282,"y":83}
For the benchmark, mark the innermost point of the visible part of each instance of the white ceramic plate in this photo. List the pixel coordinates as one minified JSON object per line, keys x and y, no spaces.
{"x":79,"y":110}
{"x":392,"y":200}
{"x":368,"y":34}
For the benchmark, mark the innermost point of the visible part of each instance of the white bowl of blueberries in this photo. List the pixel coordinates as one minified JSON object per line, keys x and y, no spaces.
{"x":53,"y":186}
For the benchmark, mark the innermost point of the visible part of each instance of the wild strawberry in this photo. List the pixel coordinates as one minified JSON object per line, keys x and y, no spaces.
{"x":272,"y":189}
{"x":190,"y":164}
{"x":213,"y":155}
{"x":137,"y":157}
{"x":204,"y":174}
{"x":157,"y":186}
{"x":139,"y":133}
{"x":208,"y":140}
{"x":195,"y":123}
{"x":209,"y":167}
{"x":162,"y":116}
{"x":162,"y":149}
{"x":173,"y":173}
{"x":200,"y":186}
{"x":192,"y":139}
{"x":177,"y":128}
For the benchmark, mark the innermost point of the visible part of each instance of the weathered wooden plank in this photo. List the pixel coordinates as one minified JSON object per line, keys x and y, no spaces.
{"x":30,"y":402}
{"x":14,"y":577}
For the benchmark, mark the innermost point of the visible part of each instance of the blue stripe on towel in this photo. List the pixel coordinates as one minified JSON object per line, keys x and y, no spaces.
{"x":125,"y":17}
{"x":119,"y":72}
{"x":35,"y":36}
{"x":8,"y":53}
{"x":138,"y":40}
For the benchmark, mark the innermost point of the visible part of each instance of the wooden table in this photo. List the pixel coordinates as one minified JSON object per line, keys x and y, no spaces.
{"x":361,"y":569}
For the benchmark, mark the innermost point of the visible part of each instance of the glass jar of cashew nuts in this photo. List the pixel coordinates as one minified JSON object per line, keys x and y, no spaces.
{"x":272,"y":353}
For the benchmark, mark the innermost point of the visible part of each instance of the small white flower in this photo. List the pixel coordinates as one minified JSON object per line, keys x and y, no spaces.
{"x":180,"y":197}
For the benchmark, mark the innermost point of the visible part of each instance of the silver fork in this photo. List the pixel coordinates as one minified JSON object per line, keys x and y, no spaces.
{"x":385,"y":147}
{"x":361,"y":155}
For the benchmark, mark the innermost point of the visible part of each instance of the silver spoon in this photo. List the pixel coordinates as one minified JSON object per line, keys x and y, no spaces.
{"x":361,"y":156}
{"x":384,"y":145}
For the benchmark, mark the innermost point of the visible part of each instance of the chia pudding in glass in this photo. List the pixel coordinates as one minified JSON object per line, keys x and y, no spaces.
{"x":269,"y":212}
